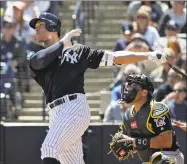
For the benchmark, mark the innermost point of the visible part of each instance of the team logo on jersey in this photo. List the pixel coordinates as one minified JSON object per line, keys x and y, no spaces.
{"x":70,"y":57}
{"x":160,"y":121}
{"x":134,"y":125}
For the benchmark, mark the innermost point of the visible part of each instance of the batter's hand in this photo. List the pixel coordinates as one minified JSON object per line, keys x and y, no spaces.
{"x":157,"y":57}
{"x":67,"y":38}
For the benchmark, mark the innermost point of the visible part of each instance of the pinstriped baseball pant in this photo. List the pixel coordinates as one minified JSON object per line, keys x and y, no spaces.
{"x":67,"y":123}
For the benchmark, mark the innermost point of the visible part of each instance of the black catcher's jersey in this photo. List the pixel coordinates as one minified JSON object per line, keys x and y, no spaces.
{"x":151,"y":120}
{"x":65,"y":75}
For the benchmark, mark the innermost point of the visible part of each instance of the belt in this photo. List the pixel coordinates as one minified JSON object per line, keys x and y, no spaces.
{"x":62,"y":100}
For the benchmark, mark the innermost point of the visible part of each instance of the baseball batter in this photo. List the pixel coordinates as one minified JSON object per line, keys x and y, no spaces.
{"x":148,"y":123}
{"x":59,"y":69}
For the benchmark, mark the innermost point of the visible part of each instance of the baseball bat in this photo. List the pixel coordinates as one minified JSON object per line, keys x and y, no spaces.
{"x":180,"y":73}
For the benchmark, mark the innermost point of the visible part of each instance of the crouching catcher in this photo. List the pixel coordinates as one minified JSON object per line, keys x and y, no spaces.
{"x":146,"y":127}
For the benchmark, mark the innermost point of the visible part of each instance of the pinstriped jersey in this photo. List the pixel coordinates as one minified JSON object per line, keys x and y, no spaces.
{"x":65,"y":75}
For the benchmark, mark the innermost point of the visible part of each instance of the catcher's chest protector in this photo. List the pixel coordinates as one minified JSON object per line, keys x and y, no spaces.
{"x":139,"y":125}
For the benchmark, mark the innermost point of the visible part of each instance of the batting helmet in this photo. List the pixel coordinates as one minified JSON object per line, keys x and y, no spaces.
{"x":52,"y":24}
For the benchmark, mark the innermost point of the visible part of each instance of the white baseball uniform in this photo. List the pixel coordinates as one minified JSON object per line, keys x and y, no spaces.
{"x":67,"y":123}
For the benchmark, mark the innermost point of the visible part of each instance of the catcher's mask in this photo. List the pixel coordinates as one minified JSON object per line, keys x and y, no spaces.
{"x":132,"y":84}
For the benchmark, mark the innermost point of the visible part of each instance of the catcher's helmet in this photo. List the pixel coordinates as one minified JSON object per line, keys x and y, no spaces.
{"x":131,"y":85}
{"x":140,"y":79}
{"x":52,"y":24}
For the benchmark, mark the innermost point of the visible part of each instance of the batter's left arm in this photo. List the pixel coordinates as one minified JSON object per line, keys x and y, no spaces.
{"x":127,"y":57}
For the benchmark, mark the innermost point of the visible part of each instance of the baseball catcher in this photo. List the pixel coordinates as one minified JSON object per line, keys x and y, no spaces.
{"x":146,"y":127}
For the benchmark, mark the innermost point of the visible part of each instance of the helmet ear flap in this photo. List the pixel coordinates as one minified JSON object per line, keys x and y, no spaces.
{"x":58,"y":26}
{"x":50,"y":27}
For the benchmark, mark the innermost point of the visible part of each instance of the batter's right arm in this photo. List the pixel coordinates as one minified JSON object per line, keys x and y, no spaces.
{"x":43,"y":58}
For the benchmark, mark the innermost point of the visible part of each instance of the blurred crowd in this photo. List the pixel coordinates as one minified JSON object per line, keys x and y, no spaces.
{"x":151,"y":25}
{"x":160,"y":26}
{"x":17,"y":40}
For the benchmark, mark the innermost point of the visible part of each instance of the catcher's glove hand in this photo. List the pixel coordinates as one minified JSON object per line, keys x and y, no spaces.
{"x":121,"y":150}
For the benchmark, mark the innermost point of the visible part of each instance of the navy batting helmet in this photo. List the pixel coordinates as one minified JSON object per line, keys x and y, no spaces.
{"x":52,"y":24}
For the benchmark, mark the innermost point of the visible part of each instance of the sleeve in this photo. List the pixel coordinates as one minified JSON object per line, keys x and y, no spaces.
{"x":160,"y":119}
{"x":94,"y":58}
{"x":29,"y":55}
{"x":43,"y":58}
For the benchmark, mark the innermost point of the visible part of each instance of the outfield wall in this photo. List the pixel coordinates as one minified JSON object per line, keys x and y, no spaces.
{"x":21,"y":142}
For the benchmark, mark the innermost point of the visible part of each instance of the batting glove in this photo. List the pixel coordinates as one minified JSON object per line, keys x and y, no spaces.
{"x":67,"y":38}
{"x":157,"y":57}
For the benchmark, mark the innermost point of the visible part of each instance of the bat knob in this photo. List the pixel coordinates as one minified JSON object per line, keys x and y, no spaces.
{"x":158,"y":56}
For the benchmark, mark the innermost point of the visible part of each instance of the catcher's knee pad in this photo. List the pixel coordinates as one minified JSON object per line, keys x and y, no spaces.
{"x":160,"y":158}
{"x":50,"y":161}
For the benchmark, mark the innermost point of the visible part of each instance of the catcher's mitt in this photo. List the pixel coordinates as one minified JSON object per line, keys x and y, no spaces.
{"x":123,"y":150}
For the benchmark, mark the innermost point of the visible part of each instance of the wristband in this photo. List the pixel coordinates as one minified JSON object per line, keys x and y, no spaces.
{"x":142,"y":143}
{"x":107,"y":59}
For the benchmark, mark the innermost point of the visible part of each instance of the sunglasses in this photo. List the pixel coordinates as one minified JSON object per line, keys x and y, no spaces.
{"x":141,"y":17}
{"x":179,"y":90}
